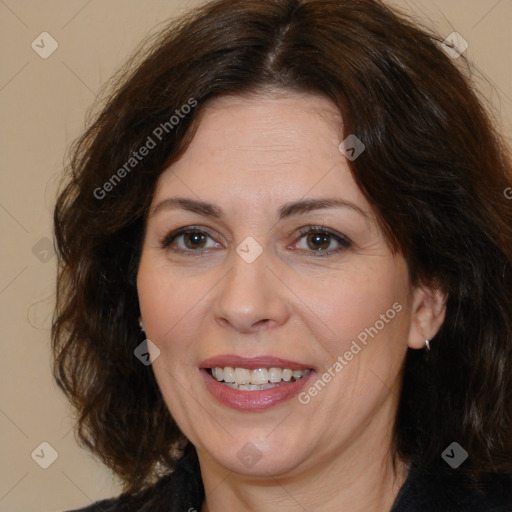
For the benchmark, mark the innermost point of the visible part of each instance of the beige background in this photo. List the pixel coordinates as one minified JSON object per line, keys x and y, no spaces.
{"x":42,"y":109}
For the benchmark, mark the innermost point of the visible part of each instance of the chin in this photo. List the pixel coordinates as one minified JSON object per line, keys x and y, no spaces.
{"x":249,"y":456}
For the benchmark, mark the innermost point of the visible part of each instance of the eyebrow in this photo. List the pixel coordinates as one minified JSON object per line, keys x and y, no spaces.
{"x":287,"y":210}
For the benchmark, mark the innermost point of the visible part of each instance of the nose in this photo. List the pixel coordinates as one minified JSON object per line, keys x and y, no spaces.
{"x":252,"y":296}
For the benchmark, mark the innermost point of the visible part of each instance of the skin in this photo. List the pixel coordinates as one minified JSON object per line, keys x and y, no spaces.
{"x":250,"y":156}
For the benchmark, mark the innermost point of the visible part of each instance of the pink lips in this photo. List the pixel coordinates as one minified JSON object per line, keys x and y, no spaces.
{"x":253,"y":400}
{"x":251,"y":363}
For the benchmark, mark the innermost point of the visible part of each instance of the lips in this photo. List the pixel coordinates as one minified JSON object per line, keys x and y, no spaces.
{"x":254,"y":399}
{"x":252,"y":363}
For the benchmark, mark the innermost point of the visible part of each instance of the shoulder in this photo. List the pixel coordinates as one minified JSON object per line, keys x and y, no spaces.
{"x":180,"y":490}
{"x":146,"y":500}
{"x":100,"y":506}
{"x":448,"y":490}
{"x":129,"y":502}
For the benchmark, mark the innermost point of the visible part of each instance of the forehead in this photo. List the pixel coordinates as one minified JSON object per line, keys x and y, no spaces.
{"x":278,"y":126}
{"x":279,"y":144}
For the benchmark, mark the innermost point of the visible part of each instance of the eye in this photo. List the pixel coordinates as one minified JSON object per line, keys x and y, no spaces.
{"x":319,"y":239}
{"x":189,"y":239}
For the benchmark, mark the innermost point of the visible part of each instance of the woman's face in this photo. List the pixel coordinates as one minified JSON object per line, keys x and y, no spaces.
{"x":256,"y":284}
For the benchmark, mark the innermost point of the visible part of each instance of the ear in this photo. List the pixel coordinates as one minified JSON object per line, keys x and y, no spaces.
{"x":428,"y":313}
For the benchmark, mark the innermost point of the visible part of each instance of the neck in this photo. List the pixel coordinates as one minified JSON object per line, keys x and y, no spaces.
{"x":358,"y":477}
{"x":377,"y":494}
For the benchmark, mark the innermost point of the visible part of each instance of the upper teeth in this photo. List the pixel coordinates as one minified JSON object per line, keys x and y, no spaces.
{"x":258,"y":376}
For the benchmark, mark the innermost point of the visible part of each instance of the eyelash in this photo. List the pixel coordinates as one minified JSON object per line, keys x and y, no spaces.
{"x":344,"y":242}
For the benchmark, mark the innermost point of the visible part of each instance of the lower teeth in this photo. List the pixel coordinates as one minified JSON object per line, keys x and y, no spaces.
{"x":248,"y":387}
{"x":255,"y":387}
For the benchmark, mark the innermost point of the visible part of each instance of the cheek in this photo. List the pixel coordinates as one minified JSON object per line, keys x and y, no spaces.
{"x":167,"y":303}
{"x":364,"y":304}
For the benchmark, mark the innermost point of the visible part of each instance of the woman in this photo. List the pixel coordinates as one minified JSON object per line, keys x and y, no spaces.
{"x":285,"y":270}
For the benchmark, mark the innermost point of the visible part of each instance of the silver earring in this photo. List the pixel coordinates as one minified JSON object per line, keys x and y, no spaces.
{"x":427,"y":345}
{"x":141,"y":325}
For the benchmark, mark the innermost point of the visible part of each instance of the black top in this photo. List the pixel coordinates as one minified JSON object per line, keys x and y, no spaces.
{"x":438,"y":490}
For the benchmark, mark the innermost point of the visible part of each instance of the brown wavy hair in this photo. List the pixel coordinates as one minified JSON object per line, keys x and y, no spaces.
{"x":434,"y":170}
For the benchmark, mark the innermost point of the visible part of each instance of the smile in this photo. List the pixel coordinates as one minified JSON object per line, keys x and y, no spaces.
{"x":254,"y":384}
